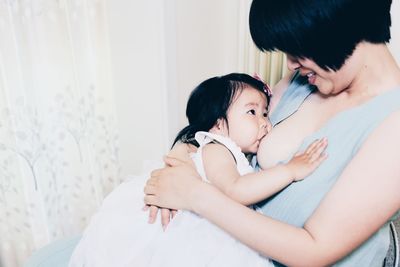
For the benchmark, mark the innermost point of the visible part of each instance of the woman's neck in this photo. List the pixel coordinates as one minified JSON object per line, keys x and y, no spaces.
{"x":377,"y":70}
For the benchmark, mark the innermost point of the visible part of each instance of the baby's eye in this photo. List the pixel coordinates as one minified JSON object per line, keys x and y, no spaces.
{"x":252,"y":112}
{"x":265,"y":115}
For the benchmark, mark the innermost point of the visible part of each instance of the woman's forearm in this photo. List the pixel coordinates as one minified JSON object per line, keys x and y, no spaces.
{"x":267,"y":236}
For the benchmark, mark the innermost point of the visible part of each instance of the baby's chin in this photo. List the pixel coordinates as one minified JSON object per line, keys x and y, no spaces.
{"x":250,"y":148}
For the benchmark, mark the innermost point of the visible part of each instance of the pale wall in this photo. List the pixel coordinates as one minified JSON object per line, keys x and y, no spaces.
{"x":138,"y":63}
{"x":160,"y":44}
{"x":207,"y":43}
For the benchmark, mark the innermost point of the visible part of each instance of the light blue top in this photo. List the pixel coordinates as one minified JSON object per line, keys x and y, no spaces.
{"x":346,"y":132}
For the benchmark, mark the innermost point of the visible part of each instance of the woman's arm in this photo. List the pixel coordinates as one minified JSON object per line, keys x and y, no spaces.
{"x":251,"y":188}
{"x":180,"y":151}
{"x":363,"y":199}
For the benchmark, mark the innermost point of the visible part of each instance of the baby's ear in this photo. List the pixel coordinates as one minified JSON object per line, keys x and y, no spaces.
{"x":218,"y":127}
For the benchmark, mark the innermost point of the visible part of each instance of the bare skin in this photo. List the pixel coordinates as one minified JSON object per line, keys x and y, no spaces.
{"x":367,"y":190}
{"x":249,"y":111}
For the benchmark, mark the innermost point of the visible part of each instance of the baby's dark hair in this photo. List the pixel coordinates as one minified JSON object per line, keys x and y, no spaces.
{"x":326,"y":31}
{"x":210,"y":101}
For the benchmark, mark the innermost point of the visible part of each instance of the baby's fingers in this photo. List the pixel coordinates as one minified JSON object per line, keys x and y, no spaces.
{"x":313,"y":145}
{"x":319,"y":160}
{"x":317,"y":149}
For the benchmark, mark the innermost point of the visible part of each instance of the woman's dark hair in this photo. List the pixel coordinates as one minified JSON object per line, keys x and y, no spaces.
{"x":210,"y":101}
{"x":326,"y":31}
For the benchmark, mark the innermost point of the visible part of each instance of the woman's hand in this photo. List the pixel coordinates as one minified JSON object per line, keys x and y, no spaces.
{"x":166,"y":214}
{"x":179,"y":151}
{"x":173,"y":186}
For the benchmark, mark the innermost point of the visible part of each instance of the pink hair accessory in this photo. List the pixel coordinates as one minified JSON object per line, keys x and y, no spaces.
{"x":266,"y":88}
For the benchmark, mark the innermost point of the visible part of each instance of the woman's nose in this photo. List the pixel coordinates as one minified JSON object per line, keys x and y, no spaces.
{"x":292,"y":63}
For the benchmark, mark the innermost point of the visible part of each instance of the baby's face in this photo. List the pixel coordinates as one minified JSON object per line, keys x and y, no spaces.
{"x":248,"y":119}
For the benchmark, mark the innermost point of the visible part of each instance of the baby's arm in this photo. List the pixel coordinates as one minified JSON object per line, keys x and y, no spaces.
{"x":221,"y":170}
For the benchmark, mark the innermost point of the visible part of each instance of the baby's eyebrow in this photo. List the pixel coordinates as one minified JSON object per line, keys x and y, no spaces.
{"x":252,"y":104}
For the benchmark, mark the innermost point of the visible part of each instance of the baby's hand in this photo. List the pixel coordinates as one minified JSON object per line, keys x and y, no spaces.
{"x":303,"y":164}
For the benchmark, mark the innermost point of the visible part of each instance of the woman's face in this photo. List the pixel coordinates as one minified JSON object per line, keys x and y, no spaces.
{"x":328,"y":82}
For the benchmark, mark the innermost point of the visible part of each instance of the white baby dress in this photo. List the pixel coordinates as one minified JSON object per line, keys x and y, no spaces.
{"x":118,"y":235}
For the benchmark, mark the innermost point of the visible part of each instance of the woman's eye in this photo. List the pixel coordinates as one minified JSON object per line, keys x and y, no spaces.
{"x":252,"y":112}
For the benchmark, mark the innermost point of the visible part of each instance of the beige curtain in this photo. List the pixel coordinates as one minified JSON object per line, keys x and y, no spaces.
{"x":271,"y":66}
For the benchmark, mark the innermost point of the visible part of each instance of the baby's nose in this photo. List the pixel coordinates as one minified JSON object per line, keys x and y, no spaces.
{"x":266,"y":126}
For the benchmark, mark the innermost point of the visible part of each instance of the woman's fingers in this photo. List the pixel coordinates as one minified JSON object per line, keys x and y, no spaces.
{"x":170,"y":187}
{"x":165,"y":217}
{"x":172,"y":162}
{"x":153,"y":214}
{"x":173,"y":213}
{"x":150,"y":189}
{"x":150,"y":200}
{"x":156,"y":173}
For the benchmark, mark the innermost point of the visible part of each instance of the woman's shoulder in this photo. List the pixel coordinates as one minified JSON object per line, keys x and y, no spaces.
{"x":279,"y":89}
{"x":288,"y":88}
{"x":283,"y":83}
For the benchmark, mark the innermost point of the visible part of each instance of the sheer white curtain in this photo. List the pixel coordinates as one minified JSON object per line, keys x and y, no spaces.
{"x":58,"y":143}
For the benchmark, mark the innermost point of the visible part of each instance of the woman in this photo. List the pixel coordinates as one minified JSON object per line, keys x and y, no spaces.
{"x":345,"y":86}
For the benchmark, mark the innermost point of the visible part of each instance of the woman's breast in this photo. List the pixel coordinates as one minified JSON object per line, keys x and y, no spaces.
{"x":278,"y":145}
{"x":286,"y":137}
